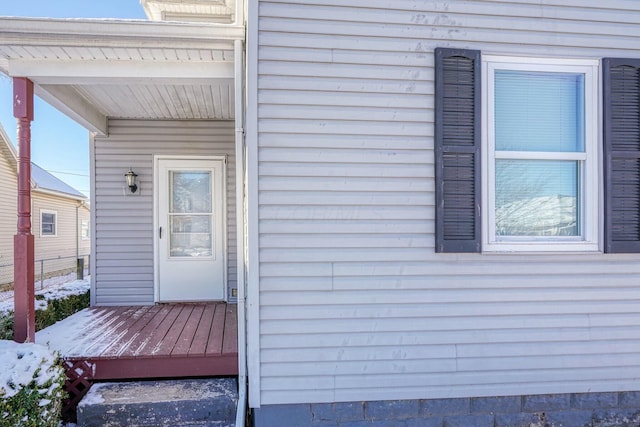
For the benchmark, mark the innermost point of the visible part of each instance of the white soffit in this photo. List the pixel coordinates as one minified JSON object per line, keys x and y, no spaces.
{"x":93,"y":70}
{"x":190,"y":10}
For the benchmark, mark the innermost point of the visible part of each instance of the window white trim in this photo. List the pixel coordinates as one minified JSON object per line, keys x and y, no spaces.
{"x":55,"y":223}
{"x":590,"y":176}
{"x":84,"y":229}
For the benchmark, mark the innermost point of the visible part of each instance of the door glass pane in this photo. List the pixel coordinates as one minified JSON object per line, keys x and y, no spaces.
{"x":190,"y":214}
{"x":191,"y":236}
{"x":190,"y":192}
{"x":539,"y":111}
{"x":191,"y":224}
{"x":537,"y":198}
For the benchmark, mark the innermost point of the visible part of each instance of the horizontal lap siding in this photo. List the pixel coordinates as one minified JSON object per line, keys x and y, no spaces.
{"x":58,"y":253}
{"x":124,"y":224}
{"x":8,"y":214}
{"x":354,"y":302}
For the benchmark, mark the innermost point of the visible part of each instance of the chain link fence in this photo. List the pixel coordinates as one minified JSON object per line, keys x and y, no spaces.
{"x":48,"y":269}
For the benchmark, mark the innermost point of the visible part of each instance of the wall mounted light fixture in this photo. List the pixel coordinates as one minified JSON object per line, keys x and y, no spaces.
{"x":130,"y":177}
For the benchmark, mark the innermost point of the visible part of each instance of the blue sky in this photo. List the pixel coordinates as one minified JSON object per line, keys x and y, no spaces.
{"x":58,"y":144}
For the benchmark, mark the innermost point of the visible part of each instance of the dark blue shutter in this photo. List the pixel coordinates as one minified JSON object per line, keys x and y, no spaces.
{"x":457,"y":150}
{"x":621,"y":113}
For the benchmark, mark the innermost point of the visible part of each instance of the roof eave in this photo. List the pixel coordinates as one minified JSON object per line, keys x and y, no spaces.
{"x":13,"y":154}
{"x":115,"y":33}
{"x":59,"y":194}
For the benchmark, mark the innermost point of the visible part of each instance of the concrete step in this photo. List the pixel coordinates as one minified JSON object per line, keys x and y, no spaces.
{"x":207,"y":402}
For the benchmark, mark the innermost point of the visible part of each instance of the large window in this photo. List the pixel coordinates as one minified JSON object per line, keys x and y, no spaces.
{"x":48,"y":223}
{"x":530,"y":157}
{"x":540,"y":155}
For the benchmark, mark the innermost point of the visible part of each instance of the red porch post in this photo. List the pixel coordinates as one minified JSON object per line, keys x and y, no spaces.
{"x":23,"y":250}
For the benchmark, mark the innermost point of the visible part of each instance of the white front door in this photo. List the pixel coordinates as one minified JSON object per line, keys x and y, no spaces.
{"x":190,"y":235}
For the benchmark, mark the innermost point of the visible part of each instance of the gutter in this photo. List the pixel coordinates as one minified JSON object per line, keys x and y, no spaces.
{"x":114,"y":33}
{"x":34,"y":187}
{"x":240,"y":235}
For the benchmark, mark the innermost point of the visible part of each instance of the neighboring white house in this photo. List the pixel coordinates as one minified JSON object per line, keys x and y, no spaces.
{"x":429,"y":210}
{"x":60,"y":218}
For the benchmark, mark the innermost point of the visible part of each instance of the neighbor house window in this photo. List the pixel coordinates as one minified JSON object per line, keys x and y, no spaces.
{"x":539,"y":155}
{"x":48,"y":223}
{"x":84,"y":230}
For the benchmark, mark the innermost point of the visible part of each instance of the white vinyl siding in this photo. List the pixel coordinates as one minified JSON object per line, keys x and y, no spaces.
{"x":54,"y":255}
{"x":58,"y":254}
{"x":354,"y":302}
{"x":123,"y":225}
{"x":8,"y":214}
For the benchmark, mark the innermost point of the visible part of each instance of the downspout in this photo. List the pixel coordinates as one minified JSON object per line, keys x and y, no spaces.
{"x":239,"y":12}
{"x":77,"y":231}
{"x":240,"y":232}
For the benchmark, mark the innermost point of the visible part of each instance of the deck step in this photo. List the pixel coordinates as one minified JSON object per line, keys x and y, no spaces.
{"x":185,"y":402}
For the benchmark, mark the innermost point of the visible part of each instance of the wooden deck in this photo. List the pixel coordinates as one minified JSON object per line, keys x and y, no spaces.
{"x":160,"y":341}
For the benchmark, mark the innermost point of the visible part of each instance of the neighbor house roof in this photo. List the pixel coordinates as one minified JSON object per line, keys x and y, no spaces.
{"x":41,"y":180}
{"x":7,"y":149}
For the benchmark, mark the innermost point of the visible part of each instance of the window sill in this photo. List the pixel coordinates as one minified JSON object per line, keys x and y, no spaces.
{"x":536,"y":248}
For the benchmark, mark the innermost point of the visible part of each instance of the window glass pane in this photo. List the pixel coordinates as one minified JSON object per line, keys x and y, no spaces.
{"x":191,"y":192}
{"x":48,"y":224}
{"x":85,"y":229}
{"x":539,"y":111}
{"x":537,"y":198}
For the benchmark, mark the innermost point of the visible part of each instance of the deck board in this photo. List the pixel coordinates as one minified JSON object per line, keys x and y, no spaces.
{"x":105,"y":328}
{"x":214,"y":343}
{"x":185,"y":340}
{"x":230,"y":340}
{"x":156,"y":336}
{"x":130,"y":331}
{"x":201,"y":337}
{"x":169,"y":341}
{"x":139,"y":343}
{"x":161,"y":341}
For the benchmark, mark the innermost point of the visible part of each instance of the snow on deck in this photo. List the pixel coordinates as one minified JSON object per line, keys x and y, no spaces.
{"x":88,"y":332}
{"x":168,"y":340}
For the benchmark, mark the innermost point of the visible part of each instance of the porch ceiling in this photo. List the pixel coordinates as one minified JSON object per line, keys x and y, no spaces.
{"x":94,"y":70}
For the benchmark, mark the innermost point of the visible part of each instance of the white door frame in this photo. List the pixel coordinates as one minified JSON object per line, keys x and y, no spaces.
{"x":156,"y":225}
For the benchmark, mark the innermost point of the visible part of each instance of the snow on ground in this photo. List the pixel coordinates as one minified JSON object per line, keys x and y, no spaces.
{"x":18,"y":362}
{"x":55,"y":290}
{"x":52,"y":282}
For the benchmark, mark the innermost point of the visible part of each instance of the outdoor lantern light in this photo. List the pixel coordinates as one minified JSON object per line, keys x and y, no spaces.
{"x":131,"y":180}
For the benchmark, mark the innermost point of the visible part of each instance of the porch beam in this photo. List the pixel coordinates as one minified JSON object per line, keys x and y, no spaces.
{"x":79,"y":72}
{"x":24,"y":305}
{"x":69,"y":102}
